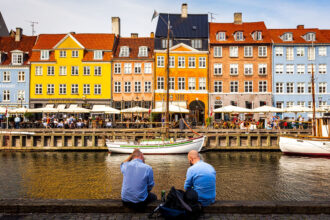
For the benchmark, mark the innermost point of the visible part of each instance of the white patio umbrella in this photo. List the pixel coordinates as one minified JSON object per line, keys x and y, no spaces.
{"x":323,"y":109}
{"x":75,"y":109}
{"x":172,"y":109}
{"x":104,"y":109}
{"x":2,"y":110}
{"x":232,"y":109}
{"x":43,"y":110}
{"x":267,"y":109}
{"x":18,"y":111}
{"x":297,"y":108}
{"x":135,"y":109}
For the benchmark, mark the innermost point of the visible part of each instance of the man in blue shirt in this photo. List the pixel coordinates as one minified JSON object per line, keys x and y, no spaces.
{"x":201,"y":177}
{"x":138,"y":180}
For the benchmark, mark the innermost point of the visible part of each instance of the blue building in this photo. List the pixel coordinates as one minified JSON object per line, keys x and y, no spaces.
{"x":15,"y":51}
{"x":295,"y":53}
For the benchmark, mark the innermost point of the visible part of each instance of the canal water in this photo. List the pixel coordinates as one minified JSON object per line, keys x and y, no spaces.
{"x":96,"y":175}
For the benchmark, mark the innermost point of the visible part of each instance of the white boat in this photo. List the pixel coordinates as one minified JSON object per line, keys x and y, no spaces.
{"x":157,"y":147}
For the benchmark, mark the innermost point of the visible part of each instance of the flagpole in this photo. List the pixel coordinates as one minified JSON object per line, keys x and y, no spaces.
{"x":167,"y":124}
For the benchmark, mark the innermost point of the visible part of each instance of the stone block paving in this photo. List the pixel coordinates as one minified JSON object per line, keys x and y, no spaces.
{"x":144,"y":216}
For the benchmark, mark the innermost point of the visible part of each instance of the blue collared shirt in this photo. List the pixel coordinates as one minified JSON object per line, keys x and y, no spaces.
{"x":201,"y":177}
{"x":138,"y":180}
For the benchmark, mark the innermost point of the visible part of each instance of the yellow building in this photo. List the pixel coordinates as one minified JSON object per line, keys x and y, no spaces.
{"x":188,"y":79}
{"x":71,"y":69}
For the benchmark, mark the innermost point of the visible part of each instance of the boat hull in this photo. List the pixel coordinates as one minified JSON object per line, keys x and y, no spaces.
{"x":305,"y":146}
{"x":181,"y":147}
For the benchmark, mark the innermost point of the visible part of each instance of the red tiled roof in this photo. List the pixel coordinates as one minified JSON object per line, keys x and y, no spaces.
{"x":134,"y":44}
{"x":96,"y":41}
{"x":326,"y":34}
{"x":297,"y":36}
{"x":35,"y":57}
{"x":247,"y":28}
{"x":47,"y":41}
{"x":89,"y":56}
{"x":8,"y":44}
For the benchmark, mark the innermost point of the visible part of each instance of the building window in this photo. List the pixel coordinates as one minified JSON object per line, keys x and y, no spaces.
{"x":287,"y":37}
{"x":217,"y":86}
{"x":279,"y":87}
{"x":38,"y":71}
{"x":74,"y":71}
{"x":300,"y":87}
{"x":309,"y":87}
{"x":21,"y":76}
{"x":234,"y":69}
{"x":86,"y":89}
{"x":289,"y":69}
{"x":263,"y":86}
{"x":143,"y":51}
{"x":310,"y":37}
{"x":124,"y":51}
{"x":202,"y":62}
{"x":217,"y":70}
{"x":160,"y":61}
{"x":280,"y":105}
{"x":74,"y":89}
{"x":128,"y":68}
{"x":289,"y":87}
{"x":127,"y":87}
{"x":97,"y":71}
{"x":38,"y":89}
{"x":172,"y":83}
{"x":164,"y":43}
{"x":300,"y":69}
{"x":309,"y":68}
{"x":248,"y":69}
{"x":239,"y":36}
{"x":147,"y":86}
{"x":300,"y":51}
{"x":248,"y":51}
{"x":322,"y":87}
{"x":311,"y":53}
{"x":17,"y":58}
{"x":248,"y":86}
{"x":117,"y":68}
{"x":234,"y":86}
{"x":160,"y":83}
{"x":75,"y":53}
{"x":196,"y":43}
{"x":44,"y":54}
{"x":221,"y":36}
{"x":62,"y":53}
{"x":147,"y":68}
{"x":50,"y":70}
{"x":192,"y":83}
{"x":98,"y":54}
{"x":289,"y":104}
{"x":87,"y":70}
{"x":278,"y":51}
{"x":97,"y":89}
{"x":62,"y":70}
{"x":233,"y":51}
{"x":322,"y":103}
{"x":191,"y":62}
{"x":301,"y":103}
{"x":6,"y":76}
{"x":322,"y":51}
{"x":181,"y":83}
{"x":117,"y":87}
{"x":62,"y":89}
{"x":137,"y":67}
{"x":172,"y":62}
{"x":262,"y":69}
{"x":279,"y":68}
{"x":257,"y":35}
{"x":322,"y":68}
{"x":217,"y":51}
{"x":21,"y":95}
{"x":262,"y":51}
{"x":202,"y":83}
{"x":6,"y":95}
{"x":181,"y":62}
{"x":137,"y":87}
{"x":289,"y":53}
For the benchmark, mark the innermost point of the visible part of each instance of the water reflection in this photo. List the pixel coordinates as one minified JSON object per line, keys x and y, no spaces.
{"x":96,"y":175}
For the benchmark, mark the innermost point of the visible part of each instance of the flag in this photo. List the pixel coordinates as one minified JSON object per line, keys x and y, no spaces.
{"x":155,"y":15}
{"x":211,"y":112}
{"x":149,"y":109}
{"x":6,"y":111}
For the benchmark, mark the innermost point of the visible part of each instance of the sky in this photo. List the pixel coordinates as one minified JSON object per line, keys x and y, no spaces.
{"x":94,"y":16}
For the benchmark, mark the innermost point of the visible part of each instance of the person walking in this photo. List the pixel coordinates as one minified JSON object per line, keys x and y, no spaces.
{"x":17,"y":120}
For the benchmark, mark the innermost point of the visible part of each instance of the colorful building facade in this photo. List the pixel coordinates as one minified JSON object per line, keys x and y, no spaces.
{"x":188,"y":62}
{"x":15,"y":53}
{"x":71,"y":69}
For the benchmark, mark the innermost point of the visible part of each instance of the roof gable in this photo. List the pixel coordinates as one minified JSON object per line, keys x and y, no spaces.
{"x":182,"y":47}
{"x":298,"y":36}
{"x":69,"y":42}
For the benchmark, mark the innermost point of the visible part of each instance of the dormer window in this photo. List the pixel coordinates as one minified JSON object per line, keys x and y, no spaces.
{"x":98,"y":55}
{"x":257,"y":35}
{"x":17,"y":58}
{"x":124,"y":51}
{"x":287,"y":37}
{"x":44,"y":55}
{"x":309,"y":37}
{"x":221,"y":36}
{"x":196,"y":43}
{"x":239,"y":36}
{"x":143,"y":51}
{"x":164,"y":43}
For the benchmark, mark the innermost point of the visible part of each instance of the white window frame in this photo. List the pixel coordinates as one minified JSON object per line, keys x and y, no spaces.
{"x":233,"y":51}
{"x":262,"y":69}
{"x":62,"y":53}
{"x":63,"y":71}
{"x":301,"y":69}
{"x":191,"y":62}
{"x":289,"y":69}
{"x":217,"y":51}
{"x":147,"y":86}
{"x":97,"y":70}
{"x":138,"y":68}
{"x":87,"y":70}
{"x":172,"y":83}
{"x":300,"y":51}
{"x":262,"y":51}
{"x":181,"y":83}
{"x":311,"y":53}
{"x":172,"y":61}
{"x":74,"y":89}
{"x":117,"y":87}
{"x":217,"y":85}
{"x":181,"y":62}
{"x":248,"y":69}
{"x":322,"y":68}
{"x":127,"y":68}
{"x":279,"y":51}
{"x":38,"y":71}
{"x":279,"y":68}
{"x":17,"y":58}
{"x":143,"y":51}
{"x":98,"y":54}
{"x":124,"y":51}
{"x":220,"y":36}
{"x":86,"y":89}
{"x":44,"y":55}
{"x":202,"y":83}
{"x":6,"y":76}
{"x":6,"y":96}
{"x":300,"y":87}
{"x":75,"y":53}
{"x":248,"y":86}
{"x":248,"y":51}
{"x":38,"y":89}
{"x":74,"y":70}
{"x":217,"y":68}
{"x":191,"y":83}
{"x":148,"y":68}
{"x":160,"y":61}
{"x":322,"y":87}
{"x":234,"y":86}
{"x":279,"y":88}
{"x":117,"y":68}
{"x":289,"y":53}
{"x":202,"y":62}
{"x":62,"y":89}
{"x":21,"y":76}
{"x":160,"y":82}
{"x":137,"y":87}
{"x":127,"y":87}
{"x":233,"y":69}
{"x":239,"y":36}
{"x":97,"y":89}
{"x":262,"y":86}
{"x":289,"y":87}
{"x":50,"y":70}
{"x":196,"y":43}
{"x":322,"y":51}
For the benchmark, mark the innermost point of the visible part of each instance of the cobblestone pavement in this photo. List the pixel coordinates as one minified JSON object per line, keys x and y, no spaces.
{"x":143,"y":216}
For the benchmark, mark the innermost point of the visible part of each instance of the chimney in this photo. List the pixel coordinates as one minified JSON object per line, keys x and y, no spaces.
{"x":134,"y":35}
{"x":300,"y":26}
{"x":116,"y":25}
{"x":152,"y":34}
{"x":184,"y":10}
{"x":238,"y":18}
{"x":18,"y":34}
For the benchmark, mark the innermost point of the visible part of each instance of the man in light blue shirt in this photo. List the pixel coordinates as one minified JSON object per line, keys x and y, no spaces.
{"x":138,"y":180}
{"x":201,"y":177}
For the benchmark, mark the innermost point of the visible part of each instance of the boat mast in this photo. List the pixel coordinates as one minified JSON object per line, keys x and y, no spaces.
{"x":167,"y":116}
{"x":313,"y":97}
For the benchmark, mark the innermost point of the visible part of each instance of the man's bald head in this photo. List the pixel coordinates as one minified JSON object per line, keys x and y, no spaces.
{"x":193,"y":157}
